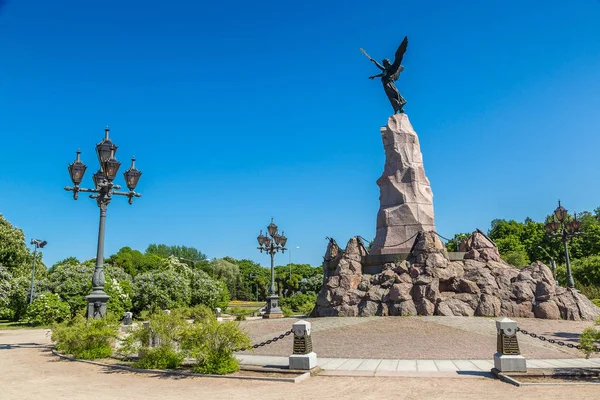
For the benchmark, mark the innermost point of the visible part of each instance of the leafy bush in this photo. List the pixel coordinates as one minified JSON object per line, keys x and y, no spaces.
{"x":287,"y":312}
{"x":199,"y":311}
{"x":168,"y":330}
{"x":86,"y":339}
{"x":163,"y":290}
{"x":46,"y":309}
{"x":212,"y":344}
{"x":162,"y":357}
{"x":298,"y":300}
{"x":240,"y":313}
{"x":18,"y":298}
{"x":588,"y":339}
{"x":205,"y":290}
{"x":306,"y":308}
{"x":5,"y":286}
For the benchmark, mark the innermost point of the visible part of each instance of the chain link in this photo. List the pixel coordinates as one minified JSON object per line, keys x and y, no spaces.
{"x":558,"y":342}
{"x":276,"y":338}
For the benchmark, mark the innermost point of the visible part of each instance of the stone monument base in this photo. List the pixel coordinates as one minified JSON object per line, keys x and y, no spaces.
{"x":303,"y":361}
{"x":506,"y":363}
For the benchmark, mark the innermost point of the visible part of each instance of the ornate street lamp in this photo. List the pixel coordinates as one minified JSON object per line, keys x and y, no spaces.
{"x":271,"y":244}
{"x":39,"y":244}
{"x":565,"y":229}
{"x":104,"y":189}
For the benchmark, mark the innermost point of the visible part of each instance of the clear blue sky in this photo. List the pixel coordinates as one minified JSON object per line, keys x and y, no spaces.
{"x":239,"y":111}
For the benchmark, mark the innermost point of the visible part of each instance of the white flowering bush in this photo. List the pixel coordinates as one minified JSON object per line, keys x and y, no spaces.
{"x":5,"y":287}
{"x":46,"y":309}
{"x":72,"y":281}
{"x":204,"y":290}
{"x":160,"y":290}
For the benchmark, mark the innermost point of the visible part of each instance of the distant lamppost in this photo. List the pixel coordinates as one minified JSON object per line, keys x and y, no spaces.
{"x":565,"y":229}
{"x":39,"y":244}
{"x":552,"y":261}
{"x":252,"y":276}
{"x":271,"y":244}
{"x":103,"y":192}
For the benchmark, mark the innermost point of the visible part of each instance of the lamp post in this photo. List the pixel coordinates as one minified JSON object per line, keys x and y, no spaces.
{"x":252,"y":276}
{"x":564,"y":229}
{"x":39,"y":244}
{"x":271,"y":243}
{"x":552,"y":262}
{"x":103,"y":192}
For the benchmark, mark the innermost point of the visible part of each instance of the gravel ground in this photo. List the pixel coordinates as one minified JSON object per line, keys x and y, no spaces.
{"x":28,"y":371}
{"x":415,"y":337}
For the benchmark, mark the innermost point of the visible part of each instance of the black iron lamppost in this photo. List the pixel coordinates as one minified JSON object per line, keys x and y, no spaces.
{"x":565,"y":229}
{"x":39,"y":244}
{"x":103,"y":192}
{"x":271,"y":244}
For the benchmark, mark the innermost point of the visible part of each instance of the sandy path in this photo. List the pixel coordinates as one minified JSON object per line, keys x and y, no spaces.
{"x":29,"y":371}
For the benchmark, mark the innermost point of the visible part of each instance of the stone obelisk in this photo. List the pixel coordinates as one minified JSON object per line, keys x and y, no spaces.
{"x":406,"y":199}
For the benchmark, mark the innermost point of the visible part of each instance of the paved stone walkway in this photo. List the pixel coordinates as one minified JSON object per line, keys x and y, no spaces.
{"x":381,"y":367}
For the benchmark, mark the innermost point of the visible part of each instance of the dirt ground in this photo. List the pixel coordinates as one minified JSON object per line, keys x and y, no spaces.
{"x":28,"y":370}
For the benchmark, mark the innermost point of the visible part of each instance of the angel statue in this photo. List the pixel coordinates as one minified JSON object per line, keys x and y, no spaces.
{"x":389,"y":74}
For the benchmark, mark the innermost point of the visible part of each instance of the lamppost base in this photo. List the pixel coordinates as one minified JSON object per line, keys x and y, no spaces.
{"x":273,"y":310}
{"x":96,"y":304}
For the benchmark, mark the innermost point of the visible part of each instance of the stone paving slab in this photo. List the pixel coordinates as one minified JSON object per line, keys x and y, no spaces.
{"x":426,"y":366}
{"x":369,"y":365}
{"x":445,"y":365}
{"x":466,"y":365}
{"x":389,"y":367}
{"x":407,"y":365}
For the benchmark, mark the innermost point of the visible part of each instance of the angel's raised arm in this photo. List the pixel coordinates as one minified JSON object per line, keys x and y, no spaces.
{"x":378,"y":65}
{"x":372,"y":60}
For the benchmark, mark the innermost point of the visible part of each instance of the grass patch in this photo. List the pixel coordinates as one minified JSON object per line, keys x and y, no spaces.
{"x":10,"y":325}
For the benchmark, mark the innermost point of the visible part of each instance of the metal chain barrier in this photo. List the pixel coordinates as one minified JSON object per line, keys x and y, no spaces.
{"x":558,"y":342}
{"x":276,"y":338}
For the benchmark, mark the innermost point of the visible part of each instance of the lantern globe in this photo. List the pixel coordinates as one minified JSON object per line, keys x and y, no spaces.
{"x":272,"y":228}
{"x":560,"y":213}
{"x":132,"y":175}
{"x":106,"y":149}
{"x":282,"y":239}
{"x":77,"y":169}
{"x":110,"y":168}
{"x":98,"y":178}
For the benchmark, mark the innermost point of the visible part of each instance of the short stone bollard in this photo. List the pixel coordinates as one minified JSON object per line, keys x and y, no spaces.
{"x":508,"y":357}
{"x":303,"y":356}
{"x":128,"y":318}
{"x":218,"y":312}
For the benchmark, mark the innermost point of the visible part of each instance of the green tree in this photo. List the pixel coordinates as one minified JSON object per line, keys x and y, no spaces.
{"x":135,"y":262}
{"x":14,"y":254}
{"x":183,"y":252}
{"x":454,"y":243}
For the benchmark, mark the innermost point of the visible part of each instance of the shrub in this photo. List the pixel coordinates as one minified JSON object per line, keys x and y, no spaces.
{"x":199,"y":311}
{"x":306,"y":308}
{"x":212,"y":293}
{"x":287,"y":312}
{"x":168,"y":329}
{"x":240,"y":313}
{"x":162,"y":357}
{"x":155,"y":291}
{"x":588,"y":339}
{"x":86,"y":339}
{"x":46,"y":309}
{"x":212,"y":344}
{"x":298,"y":300}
